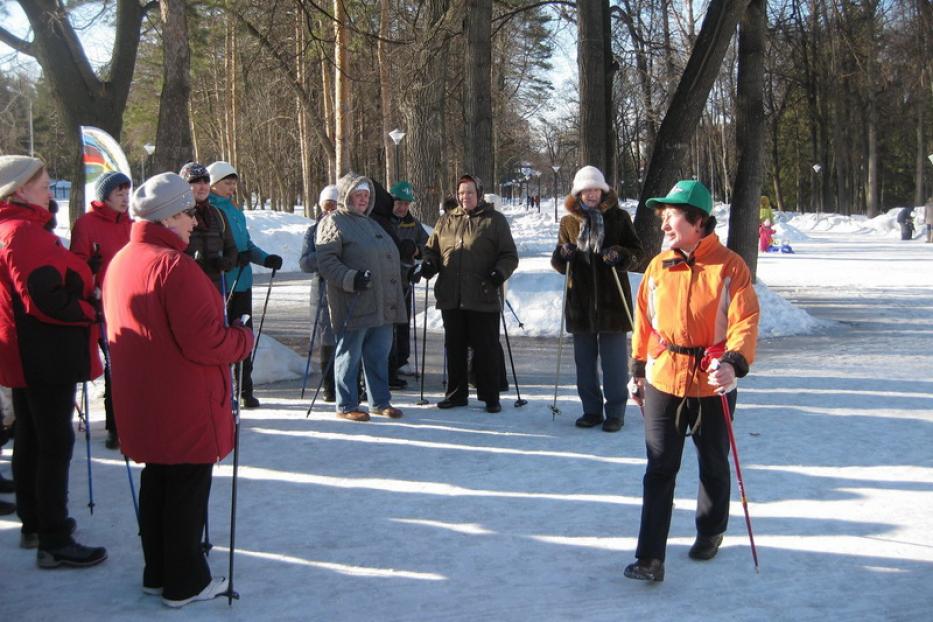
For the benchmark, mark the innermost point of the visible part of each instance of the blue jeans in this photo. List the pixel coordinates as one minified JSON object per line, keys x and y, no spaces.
{"x":612,"y":351}
{"x":372,"y":345}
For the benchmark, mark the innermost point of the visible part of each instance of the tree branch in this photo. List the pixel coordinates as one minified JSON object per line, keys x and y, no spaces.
{"x":20,"y":45}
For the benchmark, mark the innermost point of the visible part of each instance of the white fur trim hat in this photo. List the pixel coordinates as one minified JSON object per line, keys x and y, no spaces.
{"x":220,"y":170}
{"x":15,"y":171}
{"x":329,"y":193}
{"x":162,"y":197}
{"x":588,"y":178}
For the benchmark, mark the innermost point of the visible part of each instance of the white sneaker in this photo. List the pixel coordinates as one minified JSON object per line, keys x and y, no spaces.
{"x":215,"y":588}
{"x":406,"y":370}
{"x":152,"y":591}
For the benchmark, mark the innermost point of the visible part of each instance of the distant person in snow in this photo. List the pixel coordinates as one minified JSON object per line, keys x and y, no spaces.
{"x":597,"y":243}
{"x":905,"y":219}
{"x":327,"y":203}
{"x":96,"y":237}
{"x":764,"y":210}
{"x":49,"y":328}
{"x":765,"y":236}
{"x":359,"y":261}
{"x":695,"y":333}
{"x":240,"y":279}
{"x":172,"y":387}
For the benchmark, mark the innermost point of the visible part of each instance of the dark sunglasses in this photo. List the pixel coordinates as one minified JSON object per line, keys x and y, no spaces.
{"x":191,"y":211}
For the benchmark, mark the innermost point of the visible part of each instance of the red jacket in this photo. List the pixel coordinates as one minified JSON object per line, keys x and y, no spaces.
{"x":170,"y":352}
{"x":44,"y":304}
{"x":103,"y":226}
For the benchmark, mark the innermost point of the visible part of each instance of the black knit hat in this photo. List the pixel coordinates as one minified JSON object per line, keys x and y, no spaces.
{"x":108,"y":182}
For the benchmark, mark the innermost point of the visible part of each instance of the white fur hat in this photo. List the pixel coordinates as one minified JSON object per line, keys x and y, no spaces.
{"x":220,"y":170}
{"x":588,"y":178}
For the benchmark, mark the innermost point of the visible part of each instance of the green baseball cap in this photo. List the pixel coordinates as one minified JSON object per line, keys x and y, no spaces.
{"x":402,"y":191}
{"x":686,"y":192}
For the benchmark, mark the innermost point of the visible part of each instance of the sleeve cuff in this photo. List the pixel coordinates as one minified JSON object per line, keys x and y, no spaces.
{"x":636,"y":368}
{"x":737,"y":361}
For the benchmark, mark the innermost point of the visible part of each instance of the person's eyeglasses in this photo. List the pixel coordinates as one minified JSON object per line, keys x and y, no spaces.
{"x":191,"y":211}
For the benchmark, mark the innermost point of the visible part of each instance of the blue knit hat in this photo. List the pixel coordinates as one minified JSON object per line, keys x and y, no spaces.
{"x":108,"y":182}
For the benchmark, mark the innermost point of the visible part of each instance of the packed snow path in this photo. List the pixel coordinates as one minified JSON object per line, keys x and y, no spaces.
{"x":461,"y":515}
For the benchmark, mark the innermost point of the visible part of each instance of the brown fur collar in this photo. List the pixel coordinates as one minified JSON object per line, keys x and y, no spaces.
{"x":610,"y":200}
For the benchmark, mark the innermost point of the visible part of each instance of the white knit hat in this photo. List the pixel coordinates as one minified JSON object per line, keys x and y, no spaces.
{"x":329,"y":193}
{"x":15,"y":171}
{"x":220,"y":170}
{"x":588,"y":178}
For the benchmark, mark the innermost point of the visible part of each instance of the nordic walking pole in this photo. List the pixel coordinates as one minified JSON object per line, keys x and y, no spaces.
{"x":231,"y":593}
{"x":262,"y":318}
{"x":628,"y":313}
{"x":414,"y":318}
{"x":727,"y":415}
{"x":560,"y":341}
{"x":87,"y":444}
{"x":105,"y":347}
{"x":424,"y":342}
{"x":518,"y":402}
{"x":330,"y":363}
{"x":317,"y":319}
{"x":515,"y":315}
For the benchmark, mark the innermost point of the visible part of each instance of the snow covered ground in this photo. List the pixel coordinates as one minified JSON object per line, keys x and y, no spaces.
{"x":461,"y":515}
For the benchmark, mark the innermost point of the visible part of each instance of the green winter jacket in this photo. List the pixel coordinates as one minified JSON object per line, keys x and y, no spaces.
{"x":466,"y":247}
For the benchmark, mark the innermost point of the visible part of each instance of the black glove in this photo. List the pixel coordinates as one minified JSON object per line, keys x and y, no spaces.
{"x":243,"y":259}
{"x":407,"y":250}
{"x":428,"y":269}
{"x":273,"y":261}
{"x":95,"y":261}
{"x":414,"y":274}
{"x":567,"y":250}
{"x":362,"y":280}
{"x":497,"y":277}
{"x":612,"y":257}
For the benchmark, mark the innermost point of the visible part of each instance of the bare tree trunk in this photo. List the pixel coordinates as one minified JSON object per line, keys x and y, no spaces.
{"x":593,"y":54}
{"x":749,"y":135}
{"x":80,"y":95}
{"x":342,"y":117}
{"x":327,"y":96}
{"x":301,"y":76}
{"x":478,"y":153}
{"x":386,"y":89}
{"x":423,"y":105}
{"x":684,"y":113}
{"x":173,"y":136}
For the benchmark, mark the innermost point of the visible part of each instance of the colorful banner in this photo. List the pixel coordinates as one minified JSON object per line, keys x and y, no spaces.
{"x":102,"y":154}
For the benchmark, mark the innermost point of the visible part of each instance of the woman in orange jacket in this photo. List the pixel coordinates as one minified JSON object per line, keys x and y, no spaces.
{"x":695,"y":334}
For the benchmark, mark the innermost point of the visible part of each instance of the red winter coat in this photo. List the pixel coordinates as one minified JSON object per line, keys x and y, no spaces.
{"x":170,"y":352}
{"x":102,"y":226}
{"x":48,"y":328}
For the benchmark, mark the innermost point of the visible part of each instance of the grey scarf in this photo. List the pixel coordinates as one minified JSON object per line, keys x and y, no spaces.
{"x":592,"y":231}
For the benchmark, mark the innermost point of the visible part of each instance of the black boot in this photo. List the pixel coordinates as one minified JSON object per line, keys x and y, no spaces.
{"x":72,"y":554}
{"x":646,"y":570}
{"x":705,"y":547}
{"x":327,"y":354}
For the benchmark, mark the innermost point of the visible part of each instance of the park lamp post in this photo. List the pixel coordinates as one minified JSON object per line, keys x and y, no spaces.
{"x":149,"y":148}
{"x":396,"y":135}
{"x":555,"y":168}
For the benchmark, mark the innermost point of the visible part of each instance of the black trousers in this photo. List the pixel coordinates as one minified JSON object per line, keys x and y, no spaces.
{"x":478,"y":330}
{"x":44,"y":440}
{"x":240,"y":303}
{"x":665,"y":445}
{"x":401,"y":339}
{"x":172,"y":510}
{"x":110,"y":423}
